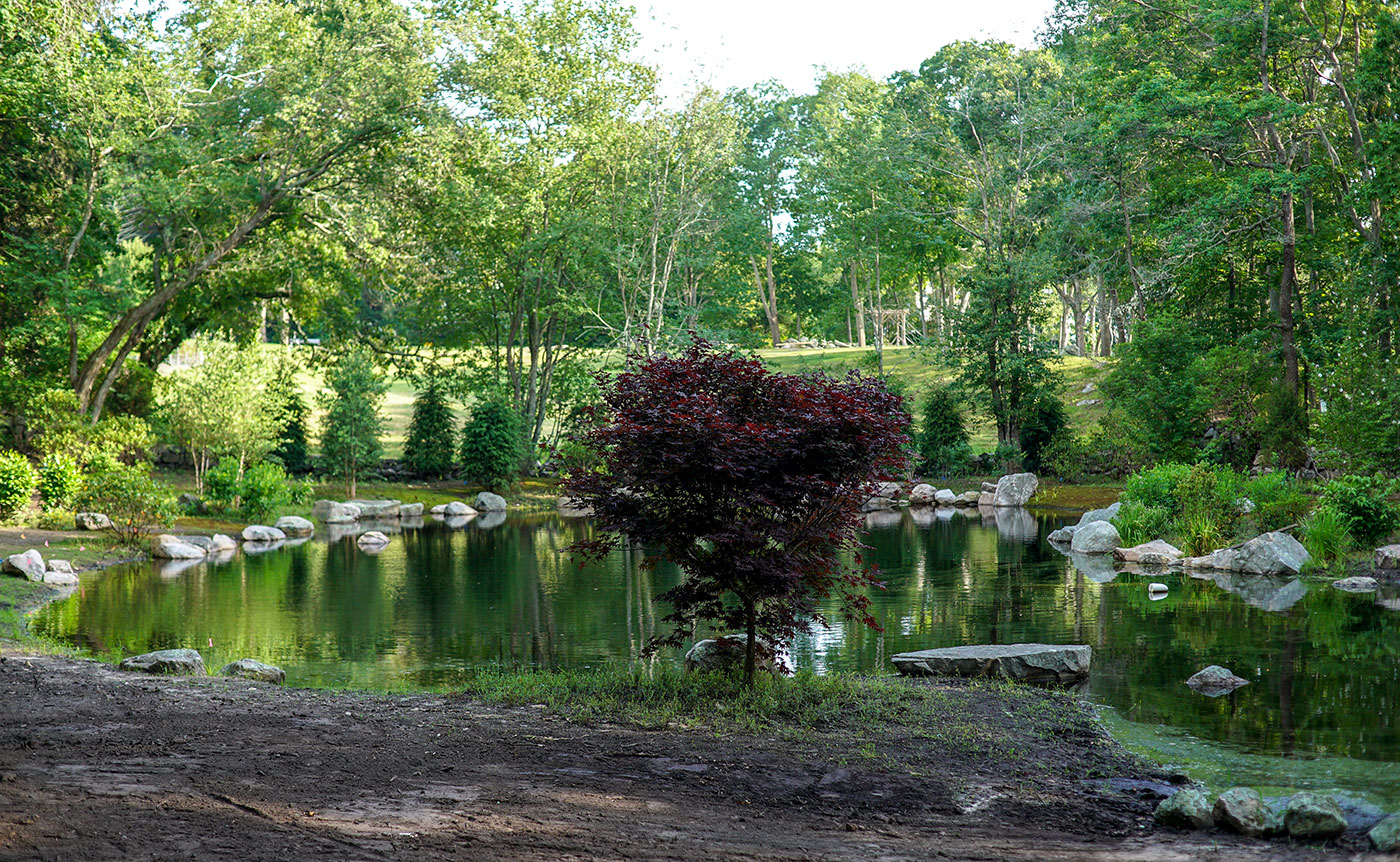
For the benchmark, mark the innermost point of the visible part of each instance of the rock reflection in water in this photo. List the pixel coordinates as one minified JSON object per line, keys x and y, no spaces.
{"x":1096,"y":567}
{"x":490,"y":520}
{"x":1263,"y":591}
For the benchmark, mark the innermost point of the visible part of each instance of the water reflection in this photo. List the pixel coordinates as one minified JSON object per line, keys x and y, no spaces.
{"x":458,"y":594}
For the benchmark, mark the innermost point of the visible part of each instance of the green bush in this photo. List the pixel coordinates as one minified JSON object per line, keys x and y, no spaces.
{"x":17,"y":483}
{"x":1066,"y":457}
{"x":60,"y":480}
{"x":1137,"y":523}
{"x":1199,"y":532}
{"x":428,"y":448}
{"x":221,"y":485}
{"x":1044,"y":422}
{"x":55,"y":519}
{"x":954,"y":460}
{"x":1326,"y":533}
{"x":1365,"y":502}
{"x":943,"y":429}
{"x":134,"y":501}
{"x":492,"y":446}
{"x":1156,"y":487}
{"x":1278,"y":501}
{"x":264,"y":488}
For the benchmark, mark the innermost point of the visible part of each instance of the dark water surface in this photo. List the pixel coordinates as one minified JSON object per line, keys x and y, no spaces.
{"x":1324,"y":666}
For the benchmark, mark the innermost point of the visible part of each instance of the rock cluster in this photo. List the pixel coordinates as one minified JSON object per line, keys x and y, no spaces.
{"x":31,"y":566}
{"x":1275,"y":553}
{"x":1305,"y":816}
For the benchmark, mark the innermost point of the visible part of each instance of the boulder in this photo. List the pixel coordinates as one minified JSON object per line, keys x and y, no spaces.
{"x":1187,"y":808}
{"x":246,"y":668}
{"x":922,"y":494}
{"x":1313,"y":816}
{"x":92,"y":521}
{"x":1107,"y":513}
{"x":373,"y":540}
{"x":1215,"y":680}
{"x":260,"y":533}
{"x":29,"y":564}
{"x":876,"y":504}
{"x":1154,"y":553}
{"x":1096,"y":537}
{"x":1388,"y":557}
{"x":888,"y":489}
{"x":457,"y":509}
{"x":335,"y":513}
{"x":377,"y":509}
{"x":1062,"y":536}
{"x":168,"y":547}
{"x":488,"y":502}
{"x":1243,"y":810}
{"x":439,"y":509}
{"x":411,"y":510}
{"x":204,"y":543}
{"x":945,"y":497}
{"x":60,"y":579}
{"x":968,"y":498}
{"x":1016,"y":662}
{"x":989,"y":487}
{"x":176,"y":662}
{"x":62,"y":567}
{"x":1356,"y":584}
{"x":292,"y":525}
{"x":726,"y":653}
{"x":1385,"y":835}
{"x":1274,"y":553}
{"x":219,"y":543}
{"x":1016,"y":489}
{"x":986,"y":498}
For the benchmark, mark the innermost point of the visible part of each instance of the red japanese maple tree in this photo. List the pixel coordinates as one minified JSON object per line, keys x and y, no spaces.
{"x":749,"y":480}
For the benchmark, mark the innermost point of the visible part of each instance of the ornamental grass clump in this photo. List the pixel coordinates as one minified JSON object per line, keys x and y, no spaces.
{"x":749,"y":481}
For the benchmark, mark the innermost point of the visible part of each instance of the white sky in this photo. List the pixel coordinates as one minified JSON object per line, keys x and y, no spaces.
{"x":735,"y":43}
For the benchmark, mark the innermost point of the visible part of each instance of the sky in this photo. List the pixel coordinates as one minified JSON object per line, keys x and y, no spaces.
{"x":735,"y":43}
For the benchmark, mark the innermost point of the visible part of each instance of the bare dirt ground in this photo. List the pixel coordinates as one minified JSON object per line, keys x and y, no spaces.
{"x":96,"y":764}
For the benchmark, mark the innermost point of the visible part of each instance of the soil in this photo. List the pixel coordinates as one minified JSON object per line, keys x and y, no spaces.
{"x":100,"y":764}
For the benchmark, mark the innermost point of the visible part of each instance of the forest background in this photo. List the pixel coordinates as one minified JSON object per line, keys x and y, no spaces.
{"x":494,"y":198}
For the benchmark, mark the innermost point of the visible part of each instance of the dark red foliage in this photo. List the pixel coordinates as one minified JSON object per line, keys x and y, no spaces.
{"x":750,"y":481}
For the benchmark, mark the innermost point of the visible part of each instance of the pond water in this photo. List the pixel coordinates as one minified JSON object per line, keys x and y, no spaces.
{"x":1324,"y":666}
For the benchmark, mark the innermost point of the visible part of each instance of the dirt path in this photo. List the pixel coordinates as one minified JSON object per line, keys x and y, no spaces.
{"x":96,"y":764}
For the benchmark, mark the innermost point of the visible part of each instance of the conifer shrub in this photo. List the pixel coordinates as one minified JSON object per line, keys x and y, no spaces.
{"x":428,"y":449}
{"x":493,"y":447}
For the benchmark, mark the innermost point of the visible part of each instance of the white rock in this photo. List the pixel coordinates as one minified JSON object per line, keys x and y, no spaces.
{"x":411,"y":510}
{"x":61,"y":579}
{"x":945,"y":497}
{"x":1016,"y":489}
{"x":61,"y":566}
{"x":260,"y":533}
{"x":457,"y":509}
{"x":292,"y":525}
{"x":1154,"y":553}
{"x":218,"y":543}
{"x":92,"y":521}
{"x":377,"y":509}
{"x":168,"y":547}
{"x":373,"y":540}
{"x":333,"y":512}
{"x":28,"y":565}
{"x":922,"y":494}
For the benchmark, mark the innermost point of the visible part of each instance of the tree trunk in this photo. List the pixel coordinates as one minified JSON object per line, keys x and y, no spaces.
{"x":858,"y":306}
{"x":1287,"y":288}
{"x":750,"y":648}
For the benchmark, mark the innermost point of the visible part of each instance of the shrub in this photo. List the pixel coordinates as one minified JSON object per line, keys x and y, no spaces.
{"x":350,"y":430}
{"x":1364,"y":502}
{"x":492,"y":446}
{"x":263,"y":489}
{"x":130,"y":497}
{"x":1045,"y":421}
{"x":944,"y":425}
{"x":1157,"y":487}
{"x":60,"y":480}
{"x":1199,"y":532}
{"x":55,"y":519}
{"x":1137,"y":523}
{"x":428,"y":448}
{"x":291,"y":438}
{"x":221,"y":485}
{"x":954,"y":460}
{"x":1278,"y":501}
{"x":1326,"y":533}
{"x":17,"y":483}
{"x":1066,"y":457}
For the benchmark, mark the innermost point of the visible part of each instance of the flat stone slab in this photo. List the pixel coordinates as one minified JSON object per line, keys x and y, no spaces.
{"x":377,"y":509}
{"x":1017,"y":662}
{"x":175,"y":662}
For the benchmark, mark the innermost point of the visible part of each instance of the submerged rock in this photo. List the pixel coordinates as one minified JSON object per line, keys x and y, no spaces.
{"x":174,"y":662}
{"x":1187,"y":808}
{"x":1095,"y":537}
{"x":1016,"y":662}
{"x":1215,"y":680}
{"x":246,"y":668}
{"x":1243,"y":810}
{"x":1313,"y":815}
{"x":1356,"y":584}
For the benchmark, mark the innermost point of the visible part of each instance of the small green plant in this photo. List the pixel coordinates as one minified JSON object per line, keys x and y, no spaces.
{"x":60,"y":480}
{"x":1157,"y":486}
{"x":1137,"y":523}
{"x":1326,"y":533}
{"x":55,"y":519}
{"x":1365,"y":502}
{"x":492,"y":445}
{"x":17,"y":483}
{"x":134,"y":501}
{"x":1199,"y":533}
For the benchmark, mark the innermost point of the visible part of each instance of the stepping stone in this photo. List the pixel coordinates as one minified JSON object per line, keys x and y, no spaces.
{"x":1016,"y":662}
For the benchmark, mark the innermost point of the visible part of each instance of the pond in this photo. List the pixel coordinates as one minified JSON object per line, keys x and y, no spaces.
{"x":441,"y":601}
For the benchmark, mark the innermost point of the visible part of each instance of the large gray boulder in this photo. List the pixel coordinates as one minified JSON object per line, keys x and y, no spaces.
{"x":888,"y":489}
{"x":1385,"y":835}
{"x":174,"y":662}
{"x":488,"y":502}
{"x":60,"y":579}
{"x":29,"y":564}
{"x":877,"y":504}
{"x":1016,"y":489}
{"x":1187,"y":808}
{"x":968,"y":498}
{"x":1095,"y":537}
{"x":260,"y":533}
{"x":458,"y":509}
{"x":1274,"y":553}
{"x":986,"y":498}
{"x":1062,"y":536}
{"x":726,"y":653}
{"x":1243,"y":810}
{"x":411,"y":510}
{"x":92,"y":521}
{"x":1214,"y":681}
{"x":945,"y":497}
{"x":204,"y":543}
{"x":989,"y":487}
{"x":1016,"y":662}
{"x":62,"y":567}
{"x":1313,"y":816}
{"x":293,"y":525}
{"x":219,"y":543}
{"x":922,"y":494}
{"x":246,"y":668}
{"x":377,"y":509}
{"x":333,"y":512}
{"x":1388,"y":557}
{"x":168,"y":547}
{"x":1154,"y":553}
{"x":1107,"y":513}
